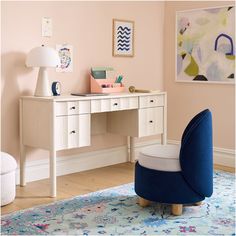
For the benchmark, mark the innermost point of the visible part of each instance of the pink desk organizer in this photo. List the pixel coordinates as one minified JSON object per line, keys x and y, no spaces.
{"x":96,"y":86}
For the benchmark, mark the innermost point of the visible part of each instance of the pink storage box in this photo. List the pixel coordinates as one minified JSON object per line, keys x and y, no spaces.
{"x":96,"y":86}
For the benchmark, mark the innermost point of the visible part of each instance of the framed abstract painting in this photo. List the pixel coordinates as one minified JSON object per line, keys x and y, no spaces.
{"x":205,"y":45}
{"x":123,"y":38}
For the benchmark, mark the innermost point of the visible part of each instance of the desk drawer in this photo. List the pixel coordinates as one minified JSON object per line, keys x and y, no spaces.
{"x":119,"y":104}
{"x":100,"y":105}
{"x":128,"y":103}
{"x":151,"y":101}
{"x":150,"y":121}
{"x":72,"y":108}
{"x":114,"y":104}
{"x":72,"y":131}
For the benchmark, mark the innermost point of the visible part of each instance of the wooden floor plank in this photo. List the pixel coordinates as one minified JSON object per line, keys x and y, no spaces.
{"x":224,"y":168}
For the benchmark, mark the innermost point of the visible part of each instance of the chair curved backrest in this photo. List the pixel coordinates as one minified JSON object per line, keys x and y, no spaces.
{"x":196,"y":154}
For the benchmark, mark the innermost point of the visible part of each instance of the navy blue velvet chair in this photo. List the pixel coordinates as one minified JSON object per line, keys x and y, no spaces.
{"x":194,"y":181}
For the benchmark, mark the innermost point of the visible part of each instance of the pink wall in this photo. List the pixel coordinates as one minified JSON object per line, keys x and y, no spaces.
{"x":88,"y":27}
{"x":186,"y":99}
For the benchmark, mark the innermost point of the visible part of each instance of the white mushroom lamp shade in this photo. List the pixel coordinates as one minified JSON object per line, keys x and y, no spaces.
{"x":43,"y":57}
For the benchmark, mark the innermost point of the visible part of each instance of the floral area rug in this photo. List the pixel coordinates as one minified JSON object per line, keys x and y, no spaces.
{"x":115,"y":211}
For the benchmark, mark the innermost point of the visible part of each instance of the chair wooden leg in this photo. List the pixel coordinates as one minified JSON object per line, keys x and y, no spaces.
{"x":177,"y":209}
{"x":143,"y":202}
{"x":198,"y":203}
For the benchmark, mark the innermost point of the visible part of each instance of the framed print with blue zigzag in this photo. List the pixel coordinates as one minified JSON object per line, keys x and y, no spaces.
{"x":123,"y":38}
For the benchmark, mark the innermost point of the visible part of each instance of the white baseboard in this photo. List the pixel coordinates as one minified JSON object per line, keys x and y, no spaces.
{"x":221,"y":156}
{"x":224,"y":157}
{"x":37,"y":170}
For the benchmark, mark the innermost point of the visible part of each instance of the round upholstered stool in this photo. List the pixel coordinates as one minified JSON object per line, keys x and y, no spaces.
{"x":8,"y":183}
{"x":158,"y":178}
{"x":167,"y":174}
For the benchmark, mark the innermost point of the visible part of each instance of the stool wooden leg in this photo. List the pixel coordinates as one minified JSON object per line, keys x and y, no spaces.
{"x":177,"y":209}
{"x":143,"y":202}
{"x":198,"y":203}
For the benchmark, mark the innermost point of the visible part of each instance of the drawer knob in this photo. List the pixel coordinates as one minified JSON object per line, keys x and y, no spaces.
{"x":151,"y":100}
{"x":72,"y":108}
{"x":150,"y":121}
{"x":115,"y":104}
{"x":73,"y":132}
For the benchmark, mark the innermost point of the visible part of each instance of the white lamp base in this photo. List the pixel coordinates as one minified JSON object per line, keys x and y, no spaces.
{"x":43,"y":87}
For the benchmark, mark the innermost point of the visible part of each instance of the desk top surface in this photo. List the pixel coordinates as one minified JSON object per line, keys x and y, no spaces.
{"x":67,"y":97}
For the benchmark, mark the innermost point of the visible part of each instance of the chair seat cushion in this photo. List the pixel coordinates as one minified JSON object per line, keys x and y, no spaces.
{"x":160,"y":157}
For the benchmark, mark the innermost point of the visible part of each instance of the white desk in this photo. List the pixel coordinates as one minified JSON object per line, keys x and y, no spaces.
{"x":64,"y":122}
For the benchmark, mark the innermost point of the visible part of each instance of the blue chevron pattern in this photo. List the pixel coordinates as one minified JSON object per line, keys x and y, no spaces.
{"x":123,"y":41}
{"x":123,"y":28}
{"x":123,"y":38}
{"x":123,"y":32}
{"x":123,"y":44}
{"x":123,"y":49}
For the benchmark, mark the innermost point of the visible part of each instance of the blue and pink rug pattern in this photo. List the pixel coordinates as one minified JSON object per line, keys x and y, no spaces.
{"x":115,"y":211}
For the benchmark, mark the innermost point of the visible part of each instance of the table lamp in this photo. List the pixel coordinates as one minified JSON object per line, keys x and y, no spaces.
{"x":43,"y":57}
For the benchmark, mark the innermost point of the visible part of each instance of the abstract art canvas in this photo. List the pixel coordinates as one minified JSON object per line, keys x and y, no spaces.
{"x":65,"y":52}
{"x":205,"y":45}
{"x":123,"y":38}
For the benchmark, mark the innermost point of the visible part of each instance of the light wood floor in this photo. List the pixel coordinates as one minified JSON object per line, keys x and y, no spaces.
{"x":37,"y":192}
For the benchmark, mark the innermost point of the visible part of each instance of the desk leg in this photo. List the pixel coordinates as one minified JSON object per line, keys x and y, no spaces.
{"x":22,"y":149}
{"x":131,"y":150}
{"x":22,"y":165}
{"x":53,"y":174}
{"x":52,"y":156}
{"x":163,"y":139}
{"x":128,"y":148}
{"x":164,"y":135}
